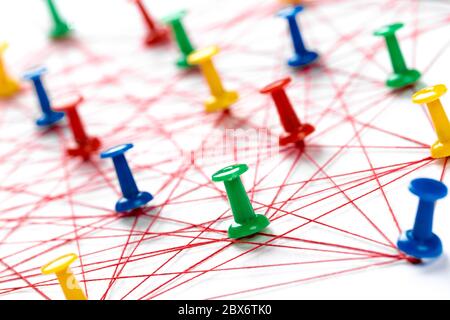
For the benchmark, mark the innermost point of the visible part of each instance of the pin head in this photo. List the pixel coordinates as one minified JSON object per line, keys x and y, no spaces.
{"x":34,"y":73}
{"x":201,"y":55}
{"x":67,"y":101}
{"x":275,"y":86}
{"x":116,"y":151}
{"x":257,"y":224}
{"x":428,"y":189}
{"x":429,"y":94}
{"x":403,"y":79}
{"x":59,"y":264}
{"x":175,"y":16}
{"x":229,"y":173}
{"x":389,"y":29}
{"x":420,"y":249}
{"x":138,"y":200}
{"x":49,"y":119}
{"x":290,"y":12}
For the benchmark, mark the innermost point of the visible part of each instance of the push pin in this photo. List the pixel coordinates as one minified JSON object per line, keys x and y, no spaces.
{"x":181,"y":37}
{"x":421,"y":242}
{"x":49,"y":117}
{"x":132,"y":197}
{"x":8,"y":85}
{"x":402,"y":76}
{"x":220,"y":98}
{"x":291,"y":2}
{"x":296,"y":131}
{"x":61,"y":29}
{"x":65,"y":276}
{"x":302,"y":56}
{"x":85,"y":145}
{"x":246,"y":221}
{"x":156,"y":33}
{"x":430,"y":96}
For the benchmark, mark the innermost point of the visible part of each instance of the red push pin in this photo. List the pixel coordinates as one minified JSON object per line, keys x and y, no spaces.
{"x":85,"y":145}
{"x":156,"y":33}
{"x":296,"y":131}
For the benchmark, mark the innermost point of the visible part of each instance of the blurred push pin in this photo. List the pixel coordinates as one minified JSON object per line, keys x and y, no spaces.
{"x":302,"y":56}
{"x":296,"y":131}
{"x":65,"y":276}
{"x":246,"y":221}
{"x":156,"y":33}
{"x":132,"y":197}
{"x":292,"y":2}
{"x":430,"y":96}
{"x":49,"y":117}
{"x":61,"y":29}
{"x":175,"y":22}
{"x":85,"y":145}
{"x":220,"y":98}
{"x":402,"y":76}
{"x":421,"y":242}
{"x":8,"y":85}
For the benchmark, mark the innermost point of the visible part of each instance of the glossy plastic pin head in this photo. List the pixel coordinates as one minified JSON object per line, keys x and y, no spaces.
{"x":402,"y":76}
{"x":421,"y":242}
{"x":296,"y":131}
{"x":431,"y":97}
{"x":85,"y":145}
{"x":246,"y":221}
{"x":132,"y":197}
{"x":156,"y":33}
{"x":220,"y":98}
{"x":69,"y":284}
{"x":8,"y":85}
{"x":175,"y":22}
{"x":302,"y":56}
{"x":61,"y":28}
{"x":49,"y":116}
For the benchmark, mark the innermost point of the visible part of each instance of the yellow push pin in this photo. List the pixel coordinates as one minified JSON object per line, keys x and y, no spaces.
{"x":292,"y":2}
{"x":8,"y":85}
{"x":66,"y":278}
{"x":430,"y":96}
{"x":220,"y":98}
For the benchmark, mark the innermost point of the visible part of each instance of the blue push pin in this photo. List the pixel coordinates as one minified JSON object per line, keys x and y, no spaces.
{"x":49,"y":117}
{"x":421,"y":242}
{"x":302,"y":56}
{"x":132,"y":197}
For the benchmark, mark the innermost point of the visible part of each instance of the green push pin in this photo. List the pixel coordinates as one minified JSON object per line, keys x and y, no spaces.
{"x":246,"y":221}
{"x":186,"y":48}
{"x":60,"y":28}
{"x":402,"y":76}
